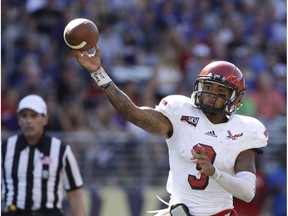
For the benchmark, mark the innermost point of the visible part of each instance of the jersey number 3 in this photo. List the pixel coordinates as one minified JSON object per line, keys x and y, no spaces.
{"x":202,"y":182}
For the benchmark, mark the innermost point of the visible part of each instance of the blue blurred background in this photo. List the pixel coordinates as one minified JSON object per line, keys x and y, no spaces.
{"x":151,"y":48}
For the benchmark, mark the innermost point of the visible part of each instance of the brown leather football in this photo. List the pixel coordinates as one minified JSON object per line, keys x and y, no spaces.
{"x":81,"y":34}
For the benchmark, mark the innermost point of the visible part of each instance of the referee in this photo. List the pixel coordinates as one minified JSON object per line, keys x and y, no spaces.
{"x":37,"y":168}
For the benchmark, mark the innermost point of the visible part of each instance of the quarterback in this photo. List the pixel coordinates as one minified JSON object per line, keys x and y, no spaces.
{"x":211,"y":149}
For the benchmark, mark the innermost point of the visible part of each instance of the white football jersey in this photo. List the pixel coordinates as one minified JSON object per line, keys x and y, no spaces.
{"x":223,"y":142}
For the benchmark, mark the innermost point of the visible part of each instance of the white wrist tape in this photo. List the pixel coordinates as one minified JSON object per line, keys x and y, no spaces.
{"x":242,"y":185}
{"x":101,"y":77}
{"x":216,"y":174}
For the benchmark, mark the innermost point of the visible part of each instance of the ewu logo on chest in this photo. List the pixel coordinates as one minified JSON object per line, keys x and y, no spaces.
{"x":190,"y":120}
{"x":233,"y":136}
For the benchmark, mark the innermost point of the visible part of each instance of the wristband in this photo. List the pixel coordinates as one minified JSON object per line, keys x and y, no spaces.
{"x":103,"y":87}
{"x":101,"y":77}
{"x":216,"y":174}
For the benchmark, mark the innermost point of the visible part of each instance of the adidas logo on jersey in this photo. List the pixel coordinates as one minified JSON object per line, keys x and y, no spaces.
{"x":211,"y":133}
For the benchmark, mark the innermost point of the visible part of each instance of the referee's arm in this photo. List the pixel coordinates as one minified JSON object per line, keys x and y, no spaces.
{"x":73,"y":183}
{"x":75,"y":198}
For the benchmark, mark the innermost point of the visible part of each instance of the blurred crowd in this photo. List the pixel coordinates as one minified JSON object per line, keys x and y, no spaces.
{"x":150,"y":48}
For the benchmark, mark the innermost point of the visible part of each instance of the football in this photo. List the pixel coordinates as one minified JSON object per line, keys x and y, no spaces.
{"x":81,"y":34}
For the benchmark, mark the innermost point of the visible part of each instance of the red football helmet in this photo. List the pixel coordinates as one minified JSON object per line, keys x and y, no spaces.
{"x":225,"y":74}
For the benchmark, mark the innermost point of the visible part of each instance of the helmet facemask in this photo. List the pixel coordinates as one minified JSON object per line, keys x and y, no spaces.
{"x":230,"y":105}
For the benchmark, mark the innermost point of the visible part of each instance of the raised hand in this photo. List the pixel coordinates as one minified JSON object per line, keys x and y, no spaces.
{"x":90,"y":62}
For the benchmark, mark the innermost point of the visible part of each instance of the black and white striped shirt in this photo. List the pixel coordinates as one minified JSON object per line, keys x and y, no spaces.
{"x":36,"y":177}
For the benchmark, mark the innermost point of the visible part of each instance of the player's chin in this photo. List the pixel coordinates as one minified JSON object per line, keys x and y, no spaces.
{"x":214,"y":105}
